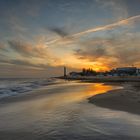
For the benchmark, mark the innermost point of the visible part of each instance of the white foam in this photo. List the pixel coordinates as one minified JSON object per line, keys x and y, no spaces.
{"x":14,"y":87}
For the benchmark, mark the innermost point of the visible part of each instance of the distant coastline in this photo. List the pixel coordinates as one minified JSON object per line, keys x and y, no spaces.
{"x":121,"y":74}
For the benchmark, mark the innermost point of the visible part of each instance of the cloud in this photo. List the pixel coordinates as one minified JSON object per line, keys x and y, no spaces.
{"x":59,"y":31}
{"x":35,"y":55}
{"x":3,"y":52}
{"x":92,"y":52}
{"x":21,"y":48}
{"x":111,"y":26}
{"x":65,"y":37}
{"x":3,"y":48}
{"x":39,"y":49}
{"x":111,"y":52}
{"x":102,"y":52}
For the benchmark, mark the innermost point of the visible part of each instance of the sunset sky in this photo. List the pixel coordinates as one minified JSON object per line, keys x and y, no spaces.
{"x":39,"y":37}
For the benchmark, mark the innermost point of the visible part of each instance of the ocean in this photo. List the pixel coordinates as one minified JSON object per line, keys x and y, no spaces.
{"x":18,"y":86}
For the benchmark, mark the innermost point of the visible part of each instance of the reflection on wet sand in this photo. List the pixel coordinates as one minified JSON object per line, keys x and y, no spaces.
{"x":62,"y":112}
{"x":74,"y":96}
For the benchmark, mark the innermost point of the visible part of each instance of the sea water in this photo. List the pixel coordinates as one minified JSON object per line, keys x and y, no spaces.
{"x":18,"y":86}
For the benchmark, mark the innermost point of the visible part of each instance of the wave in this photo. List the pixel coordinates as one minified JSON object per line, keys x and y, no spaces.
{"x":14,"y":87}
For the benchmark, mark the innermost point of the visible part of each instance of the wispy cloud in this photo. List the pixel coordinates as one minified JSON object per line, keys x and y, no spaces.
{"x":28,"y":54}
{"x":59,"y":31}
{"x":111,"y":52}
{"x":111,"y":26}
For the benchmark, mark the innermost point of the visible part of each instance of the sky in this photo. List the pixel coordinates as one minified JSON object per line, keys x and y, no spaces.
{"x":39,"y":37}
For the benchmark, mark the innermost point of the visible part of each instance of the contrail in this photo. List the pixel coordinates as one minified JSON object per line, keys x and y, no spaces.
{"x":101,"y":28}
{"x":52,"y":41}
{"x":109,"y":26}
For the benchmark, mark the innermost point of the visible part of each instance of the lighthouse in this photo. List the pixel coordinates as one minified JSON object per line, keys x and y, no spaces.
{"x":65,"y":72}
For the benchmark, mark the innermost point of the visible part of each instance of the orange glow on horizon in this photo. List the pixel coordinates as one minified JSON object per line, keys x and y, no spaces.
{"x":72,"y":61}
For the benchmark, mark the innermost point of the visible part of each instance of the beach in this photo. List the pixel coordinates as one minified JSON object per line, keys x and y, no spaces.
{"x":125,"y":99}
{"x":62,"y":111}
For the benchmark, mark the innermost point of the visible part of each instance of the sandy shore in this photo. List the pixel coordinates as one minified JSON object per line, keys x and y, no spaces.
{"x":62,"y":112}
{"x":126,"y":99}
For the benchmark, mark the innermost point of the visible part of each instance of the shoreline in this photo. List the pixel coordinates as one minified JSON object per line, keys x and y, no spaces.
{"x":114,"y":79}
{"x":126,"y":99}
{"x":43,"y":92}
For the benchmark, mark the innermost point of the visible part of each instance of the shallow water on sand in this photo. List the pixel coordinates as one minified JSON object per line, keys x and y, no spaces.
{"x":63,"y":112}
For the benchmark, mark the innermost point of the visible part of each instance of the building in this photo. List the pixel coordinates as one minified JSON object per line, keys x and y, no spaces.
{"x":122,"y":71}
{"x":126,"y":71}
{"x":138,"y":72}
{"x":74,"y":74}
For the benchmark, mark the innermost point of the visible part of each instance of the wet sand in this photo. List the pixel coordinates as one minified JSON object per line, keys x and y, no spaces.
{"x":62,"y":112}
{"x":126,"y":99}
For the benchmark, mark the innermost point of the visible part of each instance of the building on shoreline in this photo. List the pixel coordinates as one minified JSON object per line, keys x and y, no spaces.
{"x":121,"y":71}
